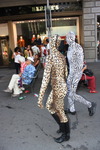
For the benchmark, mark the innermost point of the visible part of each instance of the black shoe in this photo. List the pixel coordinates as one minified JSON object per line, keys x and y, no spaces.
{"x":65,"y":129}
{"x":92,"y":109}
{"x":59,"y":131}
{"x":68,"y":111}
{"x":62,"y":138}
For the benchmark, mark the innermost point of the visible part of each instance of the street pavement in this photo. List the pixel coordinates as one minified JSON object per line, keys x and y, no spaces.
{"x":24,"y":126}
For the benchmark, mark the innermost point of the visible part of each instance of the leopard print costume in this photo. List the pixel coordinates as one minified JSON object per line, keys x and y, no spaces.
{"x":56,"y":70}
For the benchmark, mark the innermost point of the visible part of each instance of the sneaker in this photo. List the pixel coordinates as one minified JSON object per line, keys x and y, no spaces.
{"x":70,"y":112}
{"x":22,"y":88}
{"x":92,"y":109}
{"x":8,"y":90}
{"x":15,"y":95}
{"x":27,"y":91}
{"x":21,"y":92}
{"x":93,"y":91}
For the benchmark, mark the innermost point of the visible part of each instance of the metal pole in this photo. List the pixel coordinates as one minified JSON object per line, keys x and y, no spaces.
{"x":47,"y":3}
{"x":49,"y":28}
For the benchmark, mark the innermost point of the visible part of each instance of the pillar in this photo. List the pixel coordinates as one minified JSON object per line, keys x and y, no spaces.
{"x":12,"y":35}
{"x":89,"y":30}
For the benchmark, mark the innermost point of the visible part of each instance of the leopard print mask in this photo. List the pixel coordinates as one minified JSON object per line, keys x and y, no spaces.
{"x":55,"y":42}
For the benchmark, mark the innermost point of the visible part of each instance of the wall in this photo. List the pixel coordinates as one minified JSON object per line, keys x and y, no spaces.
{"x":90,"y":10}
{"x":62,"y":31}
{"x":4,"y":29}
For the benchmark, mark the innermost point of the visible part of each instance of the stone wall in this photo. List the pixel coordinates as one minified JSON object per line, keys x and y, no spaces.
{"x":90,"y":10}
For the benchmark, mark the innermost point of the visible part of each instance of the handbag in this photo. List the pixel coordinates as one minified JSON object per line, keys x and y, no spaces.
{"x":45,"y":52}
{"x":85,"y":82}
{"x":88,"y":72}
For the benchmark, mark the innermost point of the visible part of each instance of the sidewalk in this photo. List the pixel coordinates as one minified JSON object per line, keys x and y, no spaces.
{"x":23,"y":126}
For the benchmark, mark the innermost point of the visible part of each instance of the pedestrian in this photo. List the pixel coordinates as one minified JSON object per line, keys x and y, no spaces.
{"x":43,"y":55}
{"x":36,"y":61}
{"x":48,"y":46}
{"x":35,"y":49}
{"x":28,"y":52}
{"x":76,"y":60}
{"x":16,"y":56}
{"x":89,"y":78}
{"x":56,"y":70}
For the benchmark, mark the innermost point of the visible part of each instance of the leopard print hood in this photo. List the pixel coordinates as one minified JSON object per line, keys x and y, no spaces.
{"x":70,"y":38}
{"x":54,"y":42}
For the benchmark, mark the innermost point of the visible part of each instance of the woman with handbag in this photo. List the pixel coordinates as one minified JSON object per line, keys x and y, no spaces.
{"x":91,"y":81}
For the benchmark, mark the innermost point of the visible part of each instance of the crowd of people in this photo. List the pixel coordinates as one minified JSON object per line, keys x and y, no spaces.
{"x":64,"y":77}
{"x":36,"y":52}
{"x":26,"y":63}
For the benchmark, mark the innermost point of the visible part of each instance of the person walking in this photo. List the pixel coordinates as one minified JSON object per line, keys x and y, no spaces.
{"x":76,"y":60}
{"x":56,"y":70}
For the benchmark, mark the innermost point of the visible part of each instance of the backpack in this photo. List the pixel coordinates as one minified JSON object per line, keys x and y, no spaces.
{"x":88,"y":72}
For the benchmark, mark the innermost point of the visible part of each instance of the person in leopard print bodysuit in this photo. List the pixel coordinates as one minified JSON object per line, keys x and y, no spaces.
{"x":56,"y":70}
{"x":76,"y":60}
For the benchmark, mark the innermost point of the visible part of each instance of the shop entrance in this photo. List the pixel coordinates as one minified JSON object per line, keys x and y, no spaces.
{"x":32,"y":28}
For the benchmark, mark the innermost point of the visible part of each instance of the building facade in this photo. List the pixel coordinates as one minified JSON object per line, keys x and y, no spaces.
{"x":91,"y":29}
{"x":27,"y":18}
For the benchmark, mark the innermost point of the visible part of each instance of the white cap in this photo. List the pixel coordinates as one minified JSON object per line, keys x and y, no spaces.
{"x":30,"y":58}
{"x":21,"y":59}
